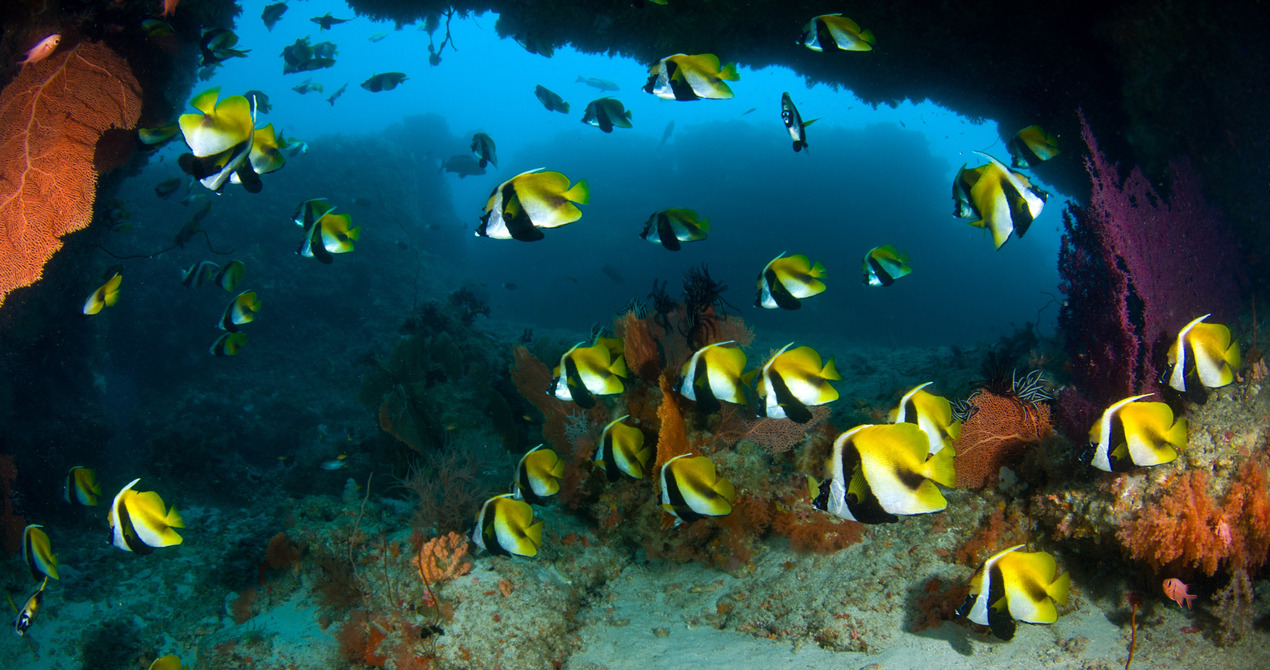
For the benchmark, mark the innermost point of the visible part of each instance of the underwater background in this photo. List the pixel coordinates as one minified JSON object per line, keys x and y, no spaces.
{"x":330,"y":453}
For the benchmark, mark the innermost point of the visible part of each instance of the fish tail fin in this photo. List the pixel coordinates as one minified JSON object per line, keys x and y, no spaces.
{"x":173,"y":518}
{"x":355,"y":233}
{"x":726,"y":491}
{"x":817,"y":270}
{"x":618,"y":367}
{"x":867,"y":36}
{"x":954,"y":430}
{"x":830,"y":371}
{"x":1176,"y":434}
{"x":813,"y":487}
{"x":534,"y":533}
{"x":1231,"y":355}
{"x":1058,"y":590}
{"x":939,"y":468}
{"x":729,"y":72}
{"x":580,"y":193}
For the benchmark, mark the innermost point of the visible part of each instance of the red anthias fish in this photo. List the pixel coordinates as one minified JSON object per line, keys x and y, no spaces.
{"x":42,"y":49}
{"x":1176,"y":590}
{"x":169,"y":7}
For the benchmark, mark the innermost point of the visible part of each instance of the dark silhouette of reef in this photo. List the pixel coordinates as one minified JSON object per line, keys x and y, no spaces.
{"x":1159,"y":80}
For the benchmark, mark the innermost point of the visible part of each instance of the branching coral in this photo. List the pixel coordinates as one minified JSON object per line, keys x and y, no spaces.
{"x":996,"y":433}
{"x":51,"y":118}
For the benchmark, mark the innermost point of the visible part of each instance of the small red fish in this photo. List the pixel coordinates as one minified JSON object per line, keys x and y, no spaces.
{"x":1176,"y":590}
{"x":42,"y":49}
{"x":169,"y":7}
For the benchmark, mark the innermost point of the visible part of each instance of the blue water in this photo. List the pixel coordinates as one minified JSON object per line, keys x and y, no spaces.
{"x":871,"y":177}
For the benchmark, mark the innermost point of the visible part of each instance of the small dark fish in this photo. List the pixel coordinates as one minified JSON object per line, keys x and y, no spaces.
{"x":535,"y":45}
{"x":377,"y":36}
{"x":259,"y":100}
{"x":612,"y":273}
{"x":596,"y":82}
{"x":362,"y":202}
{"x":272,"y":13}
{"x":325,"y":22}
{"x":306,"y":86}
{"x":483,"y":149}
{"x":749,"y":110}
{"x":551,"y":100}
{"x":167,"y":187}
{"x":462,"y":165}
{"x":386,"y":81}
{"x":509,"y":286}
{"x":665,"y":134}
{"x":337,"y":94}
{"x":218,"y":45}
{"x":606,"y":114}
{"x":187,"y":232}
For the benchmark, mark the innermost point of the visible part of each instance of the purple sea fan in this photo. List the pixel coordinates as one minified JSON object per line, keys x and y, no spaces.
{"x":1135,"y":269}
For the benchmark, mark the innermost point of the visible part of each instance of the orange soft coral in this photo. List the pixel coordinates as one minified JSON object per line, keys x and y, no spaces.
{"x":1189,"y":528}
{"x":51,"y":117}
{"x":672,"y":437}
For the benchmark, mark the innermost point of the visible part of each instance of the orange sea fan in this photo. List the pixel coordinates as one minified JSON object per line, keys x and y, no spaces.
{"x":51,"y":118}
{"x":996,"y":434}
{"x":672,"y":437}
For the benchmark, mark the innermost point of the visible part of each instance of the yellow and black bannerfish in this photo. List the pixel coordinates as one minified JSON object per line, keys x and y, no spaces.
{"x":172,"y":661}
{"x":691,"y":489}
{"x":506,"y":526}
{"x":26,"y":615}
{"x":140,"y":522}
{"x":199,"y":273}
{"x":794,"y":122}
{"x":37,"y":551}
{"x":932,"y":414}
{"x":1014,"y":584}
{"x":1031,"y":146}
{"x":219,"y":125}
{"x":220,"y":138}
{"x":81,"y":486}
{"x":106,"y":295}
{"x":607,"y":114}
{"x":880,"y":471}
{"x":522,"y":206}
{"x":309,"y":211}
{"x":669,"y":227}
{"x":695,"y":77}
{"x":999,"y":199}
{"x":787,"y":280}
{"x":884,"y":264}
{"x":1133,"y":434}
{"x":713,"y":373}
{"x":538,"y":475}
{"x":330,"y":234}
{"x":1203,"y":352}
{"x":836,"y":30}
{"x":265,"y":154}
{"x":585,"y":372}
{"x":793,"y":380}
{"x":483,"y":150}
{"x":228,"y":344}
{"x":231,"y":275}
{"x":621,"y":451}
{"x":242,"y":309}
